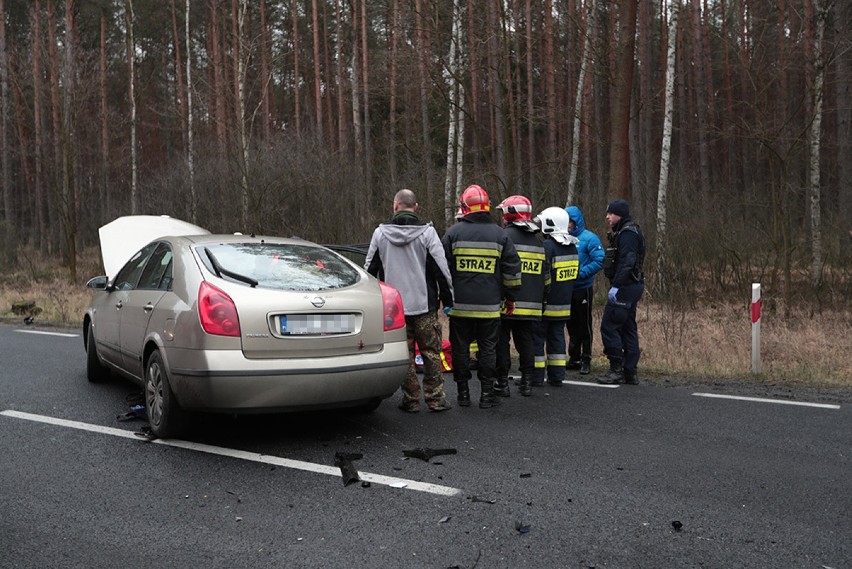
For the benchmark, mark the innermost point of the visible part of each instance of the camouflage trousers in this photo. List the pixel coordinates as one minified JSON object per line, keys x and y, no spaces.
{"x":424,"y":330}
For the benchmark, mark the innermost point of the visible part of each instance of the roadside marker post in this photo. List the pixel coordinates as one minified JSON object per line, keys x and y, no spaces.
{"x":755,"y":327}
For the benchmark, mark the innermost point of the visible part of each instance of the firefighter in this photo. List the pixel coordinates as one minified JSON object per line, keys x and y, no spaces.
{"x":518,"y":224}
{"x":549,"y":334}
{"x":486,"y":273}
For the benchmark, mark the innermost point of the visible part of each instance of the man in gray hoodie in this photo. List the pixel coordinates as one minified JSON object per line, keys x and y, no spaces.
{"x":407,"y":254}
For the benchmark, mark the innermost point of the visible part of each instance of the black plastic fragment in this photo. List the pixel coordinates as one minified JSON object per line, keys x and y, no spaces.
{"x":348,"y":472}
{"x":426,"y":454}
{"x":677,"y":525}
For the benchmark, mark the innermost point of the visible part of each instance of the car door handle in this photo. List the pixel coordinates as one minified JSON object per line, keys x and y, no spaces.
{"x":148,"y":307}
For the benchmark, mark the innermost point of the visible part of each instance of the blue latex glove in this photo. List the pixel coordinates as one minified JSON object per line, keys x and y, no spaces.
{"x":447,"y":310}
{"x":611,"y":295}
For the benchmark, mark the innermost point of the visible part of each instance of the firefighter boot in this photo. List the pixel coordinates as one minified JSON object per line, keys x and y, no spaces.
{"x":487,"y":399}
{"x":525,"y":387}
{"x":501,"y":386}
{"x":586,"y":365}
{"x":614,"y":375}
{"x":464,"y":393}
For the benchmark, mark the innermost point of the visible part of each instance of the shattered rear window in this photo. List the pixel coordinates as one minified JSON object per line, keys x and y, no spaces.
{"x":284,"y":267}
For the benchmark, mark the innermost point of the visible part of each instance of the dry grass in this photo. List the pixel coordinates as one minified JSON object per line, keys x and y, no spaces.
{"x":709,"y":340}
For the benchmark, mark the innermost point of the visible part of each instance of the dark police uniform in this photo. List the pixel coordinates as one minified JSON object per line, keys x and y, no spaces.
{"x":623,"y":267}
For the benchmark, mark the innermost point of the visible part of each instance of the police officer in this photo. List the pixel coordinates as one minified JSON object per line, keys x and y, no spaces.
{"x":549,"y":334}
{"x":486,"y":272}
{"x":622,"y":265}
{"x":518,"y":224}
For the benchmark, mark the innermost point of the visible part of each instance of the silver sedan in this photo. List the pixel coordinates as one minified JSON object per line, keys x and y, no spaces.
{"x":240,"y":324}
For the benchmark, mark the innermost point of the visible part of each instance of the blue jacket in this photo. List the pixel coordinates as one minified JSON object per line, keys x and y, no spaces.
{"x":589,"y":248}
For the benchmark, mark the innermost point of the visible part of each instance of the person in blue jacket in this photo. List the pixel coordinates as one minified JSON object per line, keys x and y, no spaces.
{"x":591,"y":254}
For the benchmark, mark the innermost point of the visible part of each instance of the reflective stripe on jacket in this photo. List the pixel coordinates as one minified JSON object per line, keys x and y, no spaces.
{"x":484,"y":265}
{"x":563,"y":273}
{"x":535,"y":268}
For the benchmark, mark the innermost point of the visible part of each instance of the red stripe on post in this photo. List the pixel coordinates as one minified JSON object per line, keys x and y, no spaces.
{"x":755,"y":311}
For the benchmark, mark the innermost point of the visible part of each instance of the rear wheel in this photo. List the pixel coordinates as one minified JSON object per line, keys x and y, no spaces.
{"x":96,"y":372}
{"x":164,"y":414}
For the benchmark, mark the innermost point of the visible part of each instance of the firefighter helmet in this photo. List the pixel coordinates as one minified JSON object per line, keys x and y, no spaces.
{"x":474,"y":199}
{"x":554,"y":222}
{"x":517,"y":210}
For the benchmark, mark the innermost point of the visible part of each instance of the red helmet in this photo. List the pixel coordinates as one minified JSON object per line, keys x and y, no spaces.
{"x":474,"y":199}
{"x":516,"y":209}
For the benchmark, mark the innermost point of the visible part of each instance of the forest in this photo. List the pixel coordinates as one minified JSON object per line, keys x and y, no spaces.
{"x":725,"y":123}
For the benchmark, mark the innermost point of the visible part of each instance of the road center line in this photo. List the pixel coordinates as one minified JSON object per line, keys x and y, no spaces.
{"x":242,"y":455}
{"x":760,"y":400}
{"x":43,"y":333}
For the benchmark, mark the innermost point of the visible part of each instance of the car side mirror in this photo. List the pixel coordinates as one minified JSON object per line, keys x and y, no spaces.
{"x":98,"y":283}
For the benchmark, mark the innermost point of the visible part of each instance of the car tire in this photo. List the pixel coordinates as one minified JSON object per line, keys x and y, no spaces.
{"x":164,"y":413}
{"x":96,"y":372}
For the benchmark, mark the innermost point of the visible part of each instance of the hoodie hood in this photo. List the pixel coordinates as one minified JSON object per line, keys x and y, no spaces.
{"x":577,"y":217}
{"x":401,"y":235}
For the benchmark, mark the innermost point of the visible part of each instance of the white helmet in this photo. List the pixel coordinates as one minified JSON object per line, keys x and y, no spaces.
{"x":554,"y":222}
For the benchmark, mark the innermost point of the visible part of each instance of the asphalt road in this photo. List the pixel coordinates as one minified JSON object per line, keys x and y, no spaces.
{"x":654,"y":475}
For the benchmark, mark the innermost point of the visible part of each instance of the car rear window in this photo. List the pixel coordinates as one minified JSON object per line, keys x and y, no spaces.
{"x":285,"y":267}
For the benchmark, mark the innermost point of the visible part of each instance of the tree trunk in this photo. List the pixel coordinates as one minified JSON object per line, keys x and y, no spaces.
{"x":703,"y":106}
{"x":131,"y":94}
{"x":578,"y":106}
{"x":498,"y":112}
{"x":619,"y":173}
{"x":42,"y":240}
{"x":340,"y":68}
{"x":843,"y":92}
{"x":193,"y":198}
{"x":180,"y":89}
{"x":317,"y":71}
{"x":69,"y":180}
{"x":6,"y":178}
{"x":294,"y":15}
{"x":453,"y":112}
{"x":550,"y":82}
{"x":668,"y":119}
{"x":531,"y":146}
{"x":420,"y":23}
{"x":105,"y":209}
{"x":821,"y":14}
{"x":218,"y":63}
{"x":265,"y":93}
{"x":394,"y":29}
{"x":240,"y":53}
{"x":355,"y":82}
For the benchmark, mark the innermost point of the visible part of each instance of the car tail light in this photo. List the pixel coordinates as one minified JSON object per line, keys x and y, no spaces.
{"x":217,"y":311}
{"x":392,"y":311}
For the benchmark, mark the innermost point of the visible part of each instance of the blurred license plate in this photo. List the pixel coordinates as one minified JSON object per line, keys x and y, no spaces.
{"x":317,"y":324}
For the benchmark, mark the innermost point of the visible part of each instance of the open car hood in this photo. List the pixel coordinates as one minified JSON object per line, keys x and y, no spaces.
{"x":122,"y":237}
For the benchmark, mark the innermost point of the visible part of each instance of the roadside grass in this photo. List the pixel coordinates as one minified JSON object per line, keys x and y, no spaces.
{"x":711,"y":340}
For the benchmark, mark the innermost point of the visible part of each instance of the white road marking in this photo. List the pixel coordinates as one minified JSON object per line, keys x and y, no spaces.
{"x":590,"y":384}
{"x":760,"y":400}
{"x":242,"y":455}
{"x":43,"y":333}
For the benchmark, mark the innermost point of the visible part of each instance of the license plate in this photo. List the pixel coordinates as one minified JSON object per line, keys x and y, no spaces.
{"x":316,"y":324}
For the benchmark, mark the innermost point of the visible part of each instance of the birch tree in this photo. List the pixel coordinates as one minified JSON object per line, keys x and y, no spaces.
{"x":815,"y":133}
{"x":668,"y":119}
{"x":578,"y":106}
{"x":131,"y":94}
{"x":193,"y":199}
{"x":455,"y":136}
